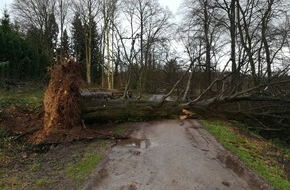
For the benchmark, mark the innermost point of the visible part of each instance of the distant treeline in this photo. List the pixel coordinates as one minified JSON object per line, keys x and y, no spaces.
{"x":19,"y":59}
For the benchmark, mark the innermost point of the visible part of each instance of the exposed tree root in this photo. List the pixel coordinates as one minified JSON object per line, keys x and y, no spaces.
{"x":62,"y":100}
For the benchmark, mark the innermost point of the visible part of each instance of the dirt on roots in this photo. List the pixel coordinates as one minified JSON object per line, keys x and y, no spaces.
{"x":62,"y":113}
{"x":62,"y":98}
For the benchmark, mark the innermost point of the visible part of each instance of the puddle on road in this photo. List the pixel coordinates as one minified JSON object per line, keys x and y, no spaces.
{"x":135,"y":143}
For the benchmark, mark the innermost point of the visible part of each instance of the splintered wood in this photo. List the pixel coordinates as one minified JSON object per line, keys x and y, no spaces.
{"x":186,"y":114}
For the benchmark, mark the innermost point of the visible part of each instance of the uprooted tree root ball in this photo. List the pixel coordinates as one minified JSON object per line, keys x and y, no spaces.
{"x":62,"y":100}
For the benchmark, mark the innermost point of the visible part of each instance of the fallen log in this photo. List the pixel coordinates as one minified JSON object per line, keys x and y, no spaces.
{"x":120,"y":110}
{"x":115,"y":111}
{"x":97,"y":95}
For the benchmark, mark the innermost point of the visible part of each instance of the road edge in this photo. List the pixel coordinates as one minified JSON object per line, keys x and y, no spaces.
{"x":229,"y":160}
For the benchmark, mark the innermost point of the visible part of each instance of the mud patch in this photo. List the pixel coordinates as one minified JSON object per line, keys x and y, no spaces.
{"x":235,"y":165}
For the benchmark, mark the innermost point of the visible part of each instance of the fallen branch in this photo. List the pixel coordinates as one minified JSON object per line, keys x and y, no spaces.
{"x":87,"y":138}
{"x":26,"y":133}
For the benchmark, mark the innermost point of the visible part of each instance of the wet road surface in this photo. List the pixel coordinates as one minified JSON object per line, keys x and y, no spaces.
{"x":167,"y":155}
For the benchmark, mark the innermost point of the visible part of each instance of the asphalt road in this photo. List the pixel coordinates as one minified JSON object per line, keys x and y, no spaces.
{"x":170,"y":155}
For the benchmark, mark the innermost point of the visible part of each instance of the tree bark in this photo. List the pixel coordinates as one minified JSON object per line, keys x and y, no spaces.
{"x":120,"y":110}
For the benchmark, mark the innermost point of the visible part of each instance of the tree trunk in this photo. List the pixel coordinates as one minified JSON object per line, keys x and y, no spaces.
{"x":232,"y":17}
{"x":265,"y":28}
{"x":89,"y":54}
{"x":108,"y":55}
{"x":246,"y":40}
{"x":120,"y":110}
{"x":208,"y":46}
{"x":185,"y":95}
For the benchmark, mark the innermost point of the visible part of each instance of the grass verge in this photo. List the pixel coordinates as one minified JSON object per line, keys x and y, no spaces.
{"x":30,"y":98}
{"x":81,"y":170}
{"x":266,"y":158}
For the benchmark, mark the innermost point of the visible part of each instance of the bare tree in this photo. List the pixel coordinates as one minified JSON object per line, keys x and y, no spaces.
{"x":262,"y":35}
{"x":193,"y":50}
{"x":150,"y":23}
{"x":257,"y":43}
{"x":62,"y":8}
{"x":39,"y":16}
{"x":88,"y":10}
{"x":228,"y":18}
{"x":129,"y":54}
{"x":109,"y":12}
{"x":35,"y":13}
{"x":199,"y":16}
{"x":271,"y":31}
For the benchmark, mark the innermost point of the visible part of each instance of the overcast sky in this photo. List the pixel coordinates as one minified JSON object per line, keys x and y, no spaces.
{"x":3,"y":3}
{"x":172,"y":4}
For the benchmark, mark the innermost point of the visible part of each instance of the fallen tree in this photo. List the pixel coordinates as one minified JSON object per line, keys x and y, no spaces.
{"x":129,"y":110}
{"x":265,"y":107}
{"x":257,"y":106}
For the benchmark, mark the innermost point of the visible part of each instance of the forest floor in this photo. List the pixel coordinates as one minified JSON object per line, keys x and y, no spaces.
{"x":69,"y":164}
{"x":65,"y":165}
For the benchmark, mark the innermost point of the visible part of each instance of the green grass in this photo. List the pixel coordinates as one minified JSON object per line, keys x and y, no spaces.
{"x":12,"y":182}
{"x":35,"y":166}
{"x":252,"y":152}
{"x":28,"y":98}
{"x":120,"y":130}
{"x":80,"y":170}
{"x":41,"y":183}
{"x":5,"y":144}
